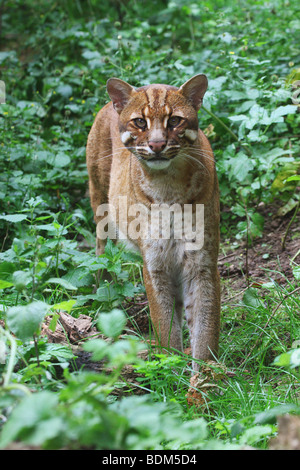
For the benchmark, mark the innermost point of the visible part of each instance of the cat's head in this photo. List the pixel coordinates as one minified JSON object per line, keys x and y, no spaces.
{"x":158,"y":122}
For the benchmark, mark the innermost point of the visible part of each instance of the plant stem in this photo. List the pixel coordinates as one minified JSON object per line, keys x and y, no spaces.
{"x":235,"y":137}
{"x":36,"y":349}
{"x":11,"y":361}
{"x":288,"y":227}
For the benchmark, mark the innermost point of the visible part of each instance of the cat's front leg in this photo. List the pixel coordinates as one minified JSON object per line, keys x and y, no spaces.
{"x":202,"y":310}
{"x":166,"y":306}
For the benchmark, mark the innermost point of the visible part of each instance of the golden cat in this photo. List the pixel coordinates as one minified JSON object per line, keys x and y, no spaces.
{"x":145,"y":149}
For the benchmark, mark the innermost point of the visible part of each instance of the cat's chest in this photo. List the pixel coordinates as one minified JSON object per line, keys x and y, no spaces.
{"x":177,"y":187}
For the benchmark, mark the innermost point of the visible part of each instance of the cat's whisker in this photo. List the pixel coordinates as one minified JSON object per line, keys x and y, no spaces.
{"x":204,"y":154}
{"x":189,"y":157}
{"x":115,"y":152}
{"x":199,"y":152}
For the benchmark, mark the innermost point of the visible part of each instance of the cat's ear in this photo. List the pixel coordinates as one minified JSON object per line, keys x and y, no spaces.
{"x":194,"y":90}
{"x":119,"y":92}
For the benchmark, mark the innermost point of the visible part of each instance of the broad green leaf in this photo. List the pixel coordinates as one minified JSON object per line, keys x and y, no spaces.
{"x":21,"y":279}
{"x":269,"y":416}
{"x":24,"y":321}
{"x":283,"y":111}
{"x":296,"y":272}
{"x":64,"y":90}
{"x":128,"y":289}
{"x":112,"y":324}
{"x":60,"y":160}
{"x":89,"y":55}
{"x":79,"y":277}
{"x":6,"y":54}
{"x":45,"y":430}
{"x":241,"y":166}
{"x":60,"y":352}
{"x":61,"y":282}
{"x":5,"y":284}
{"x":251,"y":298}
{"x":66,"y":306}
{"x":293,"y":178}
{"x":14,"y":217}
{"x":241,"y":117}
{"x":254,"y":434}
{"x":33,"y":411}
{"x":98,"y":348}
{"x":289,"y":359}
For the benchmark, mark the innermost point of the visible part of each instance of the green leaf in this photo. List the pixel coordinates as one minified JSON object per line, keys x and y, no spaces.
{"x":254,"y":434}
{"x":5,"y":284}
{"x":112,"y":324}
{"x":21,"y":279}
{"x":66,"y":305}
{"x":289,"y":359}
{"x":31,"y":420}
{"x":296,"y":272}
{"x":293,"y":178}
{"x":61,"y":282}
{"x":79,"y":277}
{"x":24,"y":321}
{"x":251,"y":298}
{"x":241,"y":166}
{"x":283,"y":111}
{"x":111,"y":250}
{"x":98,"y":348}
{"x":269,"y":416}
{"x":14,"y":217}
{"x":60,"y":352}
{"x":90,"y":55}
{"x":128,"y":289}
{"x":64,"y":90}
{"x":107,"y":293}
{"x":6,"y":54}
{"x":60,"y":160}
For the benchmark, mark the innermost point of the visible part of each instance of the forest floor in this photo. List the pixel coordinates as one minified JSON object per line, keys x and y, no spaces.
{"x":265,"y":258}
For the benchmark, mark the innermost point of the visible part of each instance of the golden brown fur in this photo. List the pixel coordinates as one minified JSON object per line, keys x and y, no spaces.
{"x":145,"y":145}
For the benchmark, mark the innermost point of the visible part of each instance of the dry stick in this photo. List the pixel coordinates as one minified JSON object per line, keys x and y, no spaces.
{"x":270,"y":318}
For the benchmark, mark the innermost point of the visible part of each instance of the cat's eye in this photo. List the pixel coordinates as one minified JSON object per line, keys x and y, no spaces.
{"x":174,"y":121}
{"x":141,"y":123}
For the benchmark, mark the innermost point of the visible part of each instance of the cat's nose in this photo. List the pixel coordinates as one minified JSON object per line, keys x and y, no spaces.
{"x":157,"y":146}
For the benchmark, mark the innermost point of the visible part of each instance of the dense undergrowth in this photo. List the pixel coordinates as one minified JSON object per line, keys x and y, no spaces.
{"x":55,"y":60}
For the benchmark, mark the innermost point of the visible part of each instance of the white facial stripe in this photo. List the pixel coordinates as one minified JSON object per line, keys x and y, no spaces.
{"x":136,"y":116}
{"x":191,"y":134}
{"x":148,"y":123}
{"x":158,"y":98}
{"x":178,"y":112}
{"x":147,"y":149}
{"x":125,"y":137}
